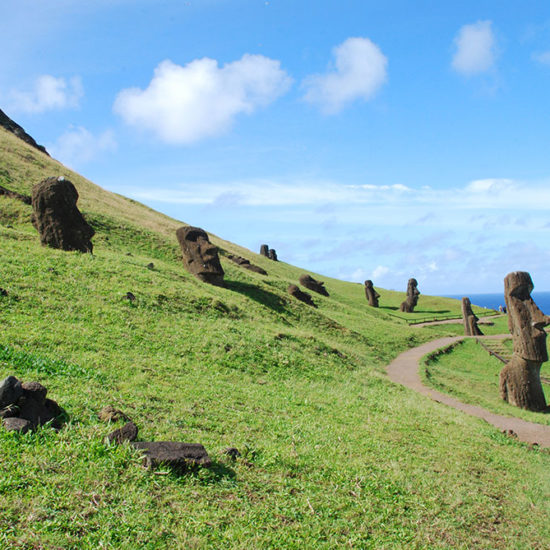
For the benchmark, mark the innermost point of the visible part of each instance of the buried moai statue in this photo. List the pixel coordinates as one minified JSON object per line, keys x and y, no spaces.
{"x":313,"y":284}
{"x":520,"y":382}
{"x":57,"y":218}
{"x":371,"y":294}
{"x":412,"y":297}
{"x":200,"y":256}
{"x":470,"y":319}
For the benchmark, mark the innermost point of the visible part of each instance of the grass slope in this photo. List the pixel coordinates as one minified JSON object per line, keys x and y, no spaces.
{"x":333,"y":454}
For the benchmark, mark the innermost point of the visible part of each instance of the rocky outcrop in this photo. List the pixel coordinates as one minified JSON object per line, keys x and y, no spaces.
{"x":57,"y":218}
{"x":11,"y":126}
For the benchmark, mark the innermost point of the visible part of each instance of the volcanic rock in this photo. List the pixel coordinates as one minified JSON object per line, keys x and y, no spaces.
{"x":110,"y":414}
{"x":10,"y":391}
{"x":128,"y":432}
{"x":172,"y":453}
{"x":14,"y":424}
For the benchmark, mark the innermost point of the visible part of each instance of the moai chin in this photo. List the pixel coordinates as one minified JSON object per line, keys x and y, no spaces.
{"x":469,"y":318}
{"x":371,"y":294}
{"x":412,"y":297}
{"x":200,"y":256}
{"x":520,"y":383}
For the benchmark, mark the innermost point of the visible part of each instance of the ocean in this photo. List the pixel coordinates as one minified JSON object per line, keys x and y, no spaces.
{"x":492,"y":301}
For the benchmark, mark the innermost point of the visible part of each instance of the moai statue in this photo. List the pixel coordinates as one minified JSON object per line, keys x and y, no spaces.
{"x":470,"y":319}
{"x":520,"y":383}
{"x":200,"y":256}
{"x":264,"y":250}
{"x":56,"y":217}
{"x":412,"y":297}
{"x":293,"y":290}
{"x":313,"y":284}
{"x":272,"y":255}
{"x":371,"y":294}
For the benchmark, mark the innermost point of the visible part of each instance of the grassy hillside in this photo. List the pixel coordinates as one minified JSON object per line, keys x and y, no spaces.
{"x":333,"y":454}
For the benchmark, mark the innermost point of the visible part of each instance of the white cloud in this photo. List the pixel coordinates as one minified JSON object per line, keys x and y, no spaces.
{"x":48,"y":93}
{"x":78,"y":146}
{"x":359,"y":72}
{"x":475,"y":49}
{"x":542,"y":57}
{"x":185,"y":104}
{"x":379,"y":272}
{"x":490,"y":185}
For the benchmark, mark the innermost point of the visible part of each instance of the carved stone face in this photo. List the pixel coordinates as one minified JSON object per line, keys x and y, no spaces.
{"x":525,"y":319}
{"x":200,"y":256}
{"x":371,"y":294}
{"x":412,"y":288}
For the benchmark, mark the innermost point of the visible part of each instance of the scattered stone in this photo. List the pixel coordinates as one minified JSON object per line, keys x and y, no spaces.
{"x":11,"y":126}
{"x":128,"y":432}
{"x":309,"y":282}
{"x":232,"y":453}
{"x":172,"y":453}
{"x":243,"y":262}
{"x":57,"y":218}
{"x":14,"y":424}
{"x":272,"y":255}
{"x":14,"y":194}
{"x":469,"y":318}
{"x":520,"y":382}
{"x":293,"y":290}
{"x":412,"y":297}
{"x":371,"y":294}
{"x":10,"y":391}
{"x":200,"y":256}
{"x":151,"y":266}
{"x":35,"y":390}
{"x":110,"y":414}
{"x":130,"y":296}
{"x":264,"y":250}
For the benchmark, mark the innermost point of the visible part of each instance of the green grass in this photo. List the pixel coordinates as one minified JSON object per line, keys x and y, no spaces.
{"x":471,"y":375}
{"x":333,"y":454}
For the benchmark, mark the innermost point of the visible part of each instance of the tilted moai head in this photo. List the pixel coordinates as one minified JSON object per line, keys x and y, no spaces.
{"x":412,"y":296}
{"x":525,"y":319}
{"x":56,"y":217}
{"x":470,"y":319}
{"x":200,"y":256}
{"x":371,"y":294}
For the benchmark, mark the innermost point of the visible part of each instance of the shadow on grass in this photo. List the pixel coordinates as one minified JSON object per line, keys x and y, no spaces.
{"x":264,"y":297}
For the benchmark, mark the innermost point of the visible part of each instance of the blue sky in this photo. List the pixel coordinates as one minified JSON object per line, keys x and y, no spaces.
{"x":360,"y":139}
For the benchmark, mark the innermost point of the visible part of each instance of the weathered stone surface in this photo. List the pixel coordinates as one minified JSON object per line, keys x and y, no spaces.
{"x":293,"y":290}
{"x":14,"y":195}
{"x":172,"y":453}
{"x":412,"y":297}
{"x":35,"y":412}
{"x":313,"y":284}
{"x":520,"y":382}
{"x":128,"y":432}
{"x":130,"y":297}
{"x":469,"y":318}
{"x":10,"y":391}
{"x":35,"y":390}
{"x":200,"y":256}
{"x":264,"y":250}
{"x":243,"y":262}
{"x":57,"y":218}
{"x":14,"y":424}
{"x":371,"y":294}
{"x":272,"y":255}
{"x":11,"y":126}
{"x":110,"y":414}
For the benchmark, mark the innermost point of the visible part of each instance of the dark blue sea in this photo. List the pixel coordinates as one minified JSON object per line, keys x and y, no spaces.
{"x":492,"y":301}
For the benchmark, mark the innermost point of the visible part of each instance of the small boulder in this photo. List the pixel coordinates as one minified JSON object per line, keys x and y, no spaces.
{"x":130,"y":297}
{"x":14,"y":424}
{"x":293,"y":290}
{"x":35,"y":390}
{"x":110,"y":414}
{"x":10,"y":391}
{"x":3,"y":292}
{"x":172,"y":453}
{"x":150,"y":266}
{"x":128,"y":432}
{"x":312,"y":284}
{"x":232,"y":453}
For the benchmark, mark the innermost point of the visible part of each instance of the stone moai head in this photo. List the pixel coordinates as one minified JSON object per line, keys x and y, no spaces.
{"x":264,"y":250}
{"x":371,"y":294}
{"x":200,"y":256}
{"x":412,"y":290}
{"x":525,"y":319}
{"x":57,"y":218}
{"x":272,"y":254}
{"x":470,"y":319}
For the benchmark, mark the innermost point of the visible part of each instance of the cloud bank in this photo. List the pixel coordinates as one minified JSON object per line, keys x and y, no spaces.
{"x":475,"y":49}
{"x":48,"y":93}
{"x":360,"y":70}
{"x":184,"y":104}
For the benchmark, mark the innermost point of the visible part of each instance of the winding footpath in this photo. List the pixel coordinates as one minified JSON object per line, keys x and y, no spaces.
{"x":404,"y":370}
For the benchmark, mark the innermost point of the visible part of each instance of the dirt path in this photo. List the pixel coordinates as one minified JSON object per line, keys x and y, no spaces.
{"x":404,"y":370}
{"x":458,"y":320}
